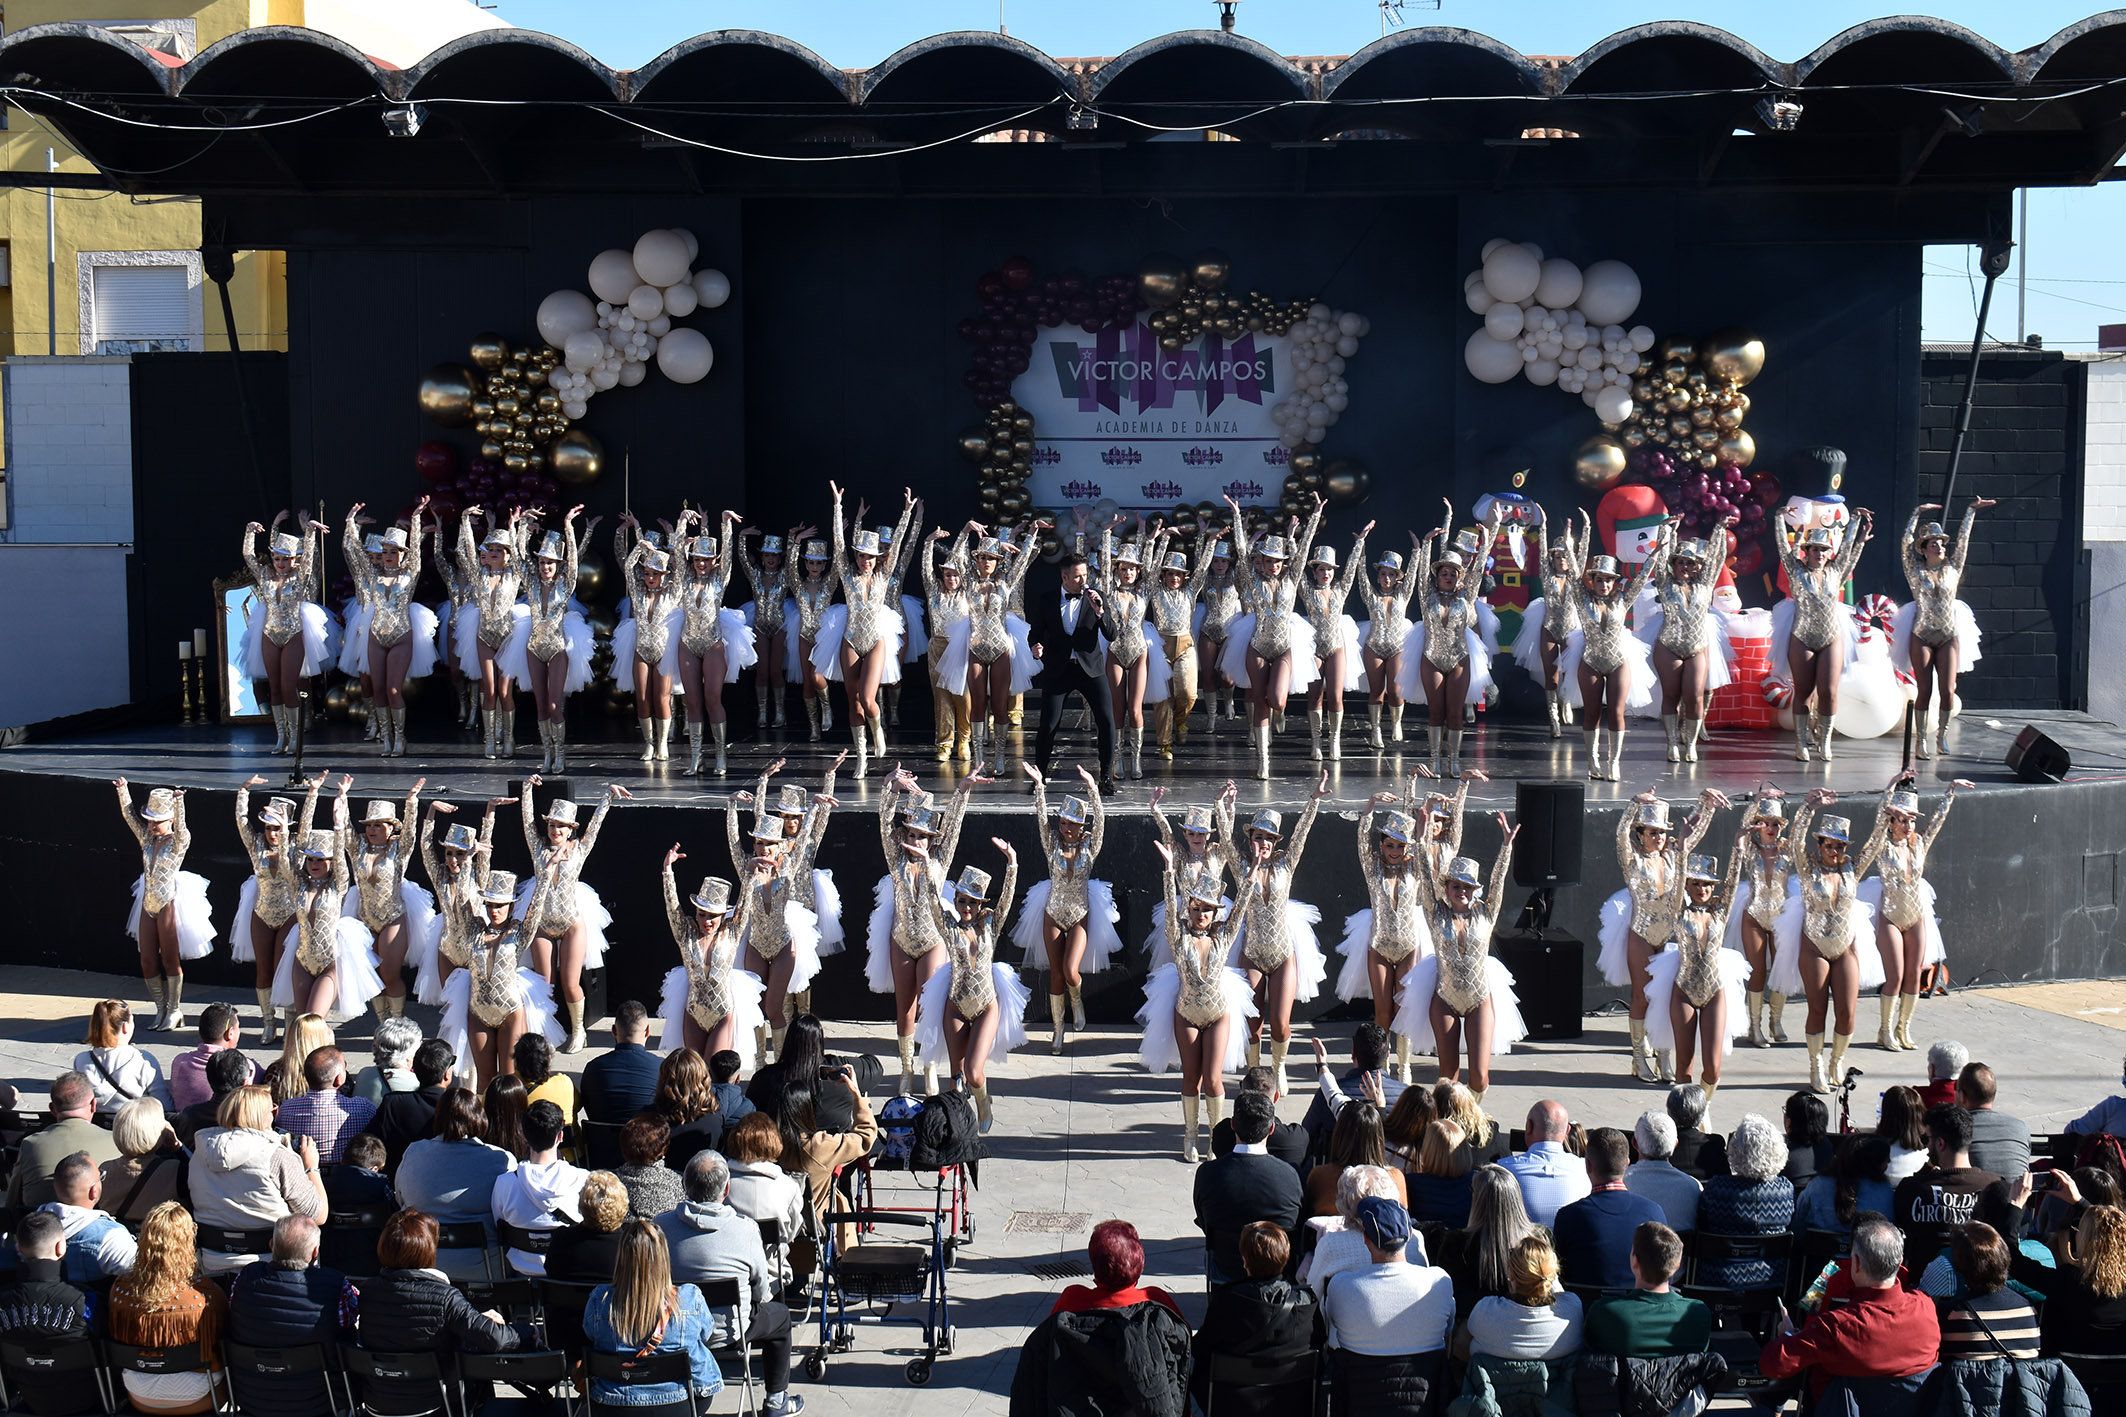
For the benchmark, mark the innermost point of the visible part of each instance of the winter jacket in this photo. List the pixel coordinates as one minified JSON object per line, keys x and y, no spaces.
{"x":29,"y":1185}
{"x":118,"y":1075}
{"x":651,"y":1190}
{"x":1514,"y":1387}
{"x":42,"y":1306}
{"x":1398,"y":1385}
{"x":1908,"y":1395}
{"x":711,"y":1241}
{"x":1256,"y":1318}
{"x":245,"y":1180}
{"x":2032,"y":1387}
{"x":538,"y":1195}
{"x":766,"y":1192}
{"x":135,"y":1185}
{"x":417,"y":1311}
{"x":1731,"y":1205}
{"x":97,"y":1247}
{"x":1104,"y":1361}
{"x":1604,"y":1385}
{"x":402,"y":1119}
{"x":271,"y":1306}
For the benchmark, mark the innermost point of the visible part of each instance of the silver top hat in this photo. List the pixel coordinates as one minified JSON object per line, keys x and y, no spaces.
{"x":1129,"y":552}
{"x":1221,"y":550}
{"x":1175,"y":561}
{"x":658,"y":561}
{"x":497,"y":540}
{"x":867,"y":544}
{"x":1702,"y":868}
{"x":319,"y":845}
{"x":1773,"y":807}
{"x":1322,"y":556}
{"x":501,"y":888}
{"x":990,"y":547}
{"x":1463,"y":869}
{"x":973,"y":885}
{"x":1601,"y":565}
{"x":287,"y":544}
{"x":1819,"y":536}
{"x":374,"y":544}
{"x":771,"y":546}
{"x":551,"y":549}
{"x":1205,"y":890}
{"x":921,"y":820}
{"x":461,"y":838}
{"x":1836,"y":828}
{"x":703,"y":548}
{"x":279,"y":812}
{"x":394,"y":537}
{"x":381,"y":811}
{"x":1932,"y":531}
{"x":1198,"y":820}
{"x":1690,"y":548}
{"x":1903,"y":800}
{"x":767,"y":831}
{"x":1467,"y":542}
{"x":714,"y":897}
{"x":1438,"y":804}
{"x":1074,"y":809}
{"x":1388,"y":561}
{"x":162,"y":805}
{"x":1397,"y":826}
{"x":1448,"y":558}
{"x":1274,"y":548}
{"x":1652,"y":814}
{"x":790,"y":801}
{"x":563,"y":811}
{"x":1267,"y":822}
{"x":650,"y":538}
{"x":815,"y":551}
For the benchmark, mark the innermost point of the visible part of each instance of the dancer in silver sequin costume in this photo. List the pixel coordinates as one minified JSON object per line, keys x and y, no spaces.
{"x":490,"y":643}
{"x":1684,"y":574}
{"x":653,"y":595}
{"x":1608,"y":652}
{"x":1753,"y":915}
{"x":769,"y":574}
{"x":287,"y":637}
{"x":1196,"y":1005}
{"x":1278,"y":654}
{"x":265,"y":911}
{"x":1323,"y":593}
{"x":1935,"y":635}
{"x":1550,"y":620}
{"x":1835,"y":928}
{"x":1387,"y":592}
{"x":715,"y":644}
{"x":1444,"y":672}
{"x":717,"y":1002}
{"x":1219,"y":607}
{"x":557,"y":648}
{"x":1694,"y":985}
{"x":1136,"y":666}
{"x":401,"y":631}
{"x":1907,"y":931}
{"x":973,"y":1010}
{"x":170,"y":919}
{"x":1461,"y":995}
{"x":1067,"y":924}
{"x":1816,"y":645}
{"x":867,"y":648}
{"x":1279,"y":950}
{"x":1173,"y":613}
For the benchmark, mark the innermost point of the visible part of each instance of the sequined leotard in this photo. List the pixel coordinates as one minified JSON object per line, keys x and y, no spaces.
{"x":568,"y":870}
{"x":1388,"y":612}
{"x":456,"y":890}
{"x":812,"y":597}
{"x":1207,"y":870}
{"x":1654,"y":877}
{"x":548,"y":601}
{"x":770,"y":592}
{"x":1400,"y":895}
{"x":1561,"y":603}
{"x":495,"y":592}
{"x":1826,"y":895}
{"x":989,"y":600}
{"x":161,"y":857}
{"x":1817,"y":594}
{"x":1462,"y":943}
{"x":1269,"y":941}
{"x":1200,"y":958}
{"x":653,"y":608}
{"x":1172,"y":612}
{"x":701,"y":598}
{"x":869,"y":593}
{"x":1122,"y":607}
{"x":1686,"y":606}
{"x":1221,"y":599}
{"x":916,"y":878}
{"x":1450,"y":618}
{"x":272,"y":868}
{"x":283,"y":596}
{"x":708,"y":961}
{"x":1767,"y":879}
{"x":388,"y":595}
{"x":1070,"y":868}
{"x":377,"y":873}
{"x":1934,"y":588}
{"x":1903,"y":864}
{"x":1436,"y":853}
{"x":317,"y":921}
{"x":1700,"y":936}
{"x":972,"y":950}
{"x":497,"y":952}
{"x":1323,"y":605}
{"x":1271,"y":601}
{"x":447,"y":570}
{"x":765,"y":897}
{"x":1602,"y":621}
{"x":947,"y":607}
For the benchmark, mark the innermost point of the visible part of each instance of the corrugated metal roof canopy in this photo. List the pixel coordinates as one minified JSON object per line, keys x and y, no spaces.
{"x":1896,"y":103}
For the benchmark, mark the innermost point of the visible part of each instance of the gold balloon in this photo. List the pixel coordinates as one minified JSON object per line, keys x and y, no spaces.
{"x":336,"y":702}
{"x":577,"y":459}
{"x":483,"y":406}
{"x":1726,"y":418}
{"x":1676,"y":349}
{"x":1161,"y":280}
{"x":446,"y":395}
{"x":1676,"y":400}
{"x":973,"y":443}
{"x":1599,"y":463}
{"x":515,"y":462}
{"x":1634,"y":438}
{"x":1307,"y":460}
{"x":1705,"y":438}
{"x":1734,"y":354}
{"x":490,"y":450}
{"x":1210,"y":269}
{"x":1345,"y":483}
{"x":1680,"y":427}
{"x":489,"y":350}
{"x":1739,"y":448}
{"x":1643,"y":390}
{"x":1701,"y":418}
{"x":1741,"y":404}
{"x":1708,"y":461}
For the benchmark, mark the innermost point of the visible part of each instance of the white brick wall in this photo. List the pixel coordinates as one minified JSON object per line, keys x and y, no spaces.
{"x":2104,"y":477}
{"x":70,"y":450}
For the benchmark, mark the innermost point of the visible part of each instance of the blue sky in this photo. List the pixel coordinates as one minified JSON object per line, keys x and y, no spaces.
{"x":2075,"y":280}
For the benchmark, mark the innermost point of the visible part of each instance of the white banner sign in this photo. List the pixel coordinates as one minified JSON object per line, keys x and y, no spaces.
{"x":1117,"y":417}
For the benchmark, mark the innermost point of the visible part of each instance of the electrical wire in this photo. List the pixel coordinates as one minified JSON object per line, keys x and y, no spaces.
{"x":820,"y":157}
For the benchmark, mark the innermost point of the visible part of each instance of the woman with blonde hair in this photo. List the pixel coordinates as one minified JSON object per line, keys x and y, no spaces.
{"x":150,"y":1162}
{"x":1439,"y":1187}
{"x":1481,"y":1138}
{"x":642,"y":1312}
{"x":162,"y":1302}
{"x":2085,"y":1289}
{"x":1536,"y":1317}
{"x":1498,"y":1222}
{"x":284,"y":1076}
{"x":587,"y":1251}
{"x":243,"y":1178}
{"x":117,"y":1071}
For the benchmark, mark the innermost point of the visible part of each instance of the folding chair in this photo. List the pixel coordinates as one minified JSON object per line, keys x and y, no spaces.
{"x":540,"y":1377}
{"x":1253,"y":1387}
{"x":601,"y":1142}
{"x":729,"y":1294}
{"x":163,"y":1361}
{"x":372,"y":1367}
{"x":347,"y":1240}
{"x":1742,"y":1324}
{"x":648,"y":1371}
{"x":240,"y":1358}
{"x":43,"y":1358}
{"x":561,"y":1307}
{"x":2103,"y":1377}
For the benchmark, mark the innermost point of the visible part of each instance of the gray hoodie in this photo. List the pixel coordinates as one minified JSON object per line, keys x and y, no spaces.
{"x":709,"y":1240}
{"x":246,"y":1180}
{"x":538,"y":1195}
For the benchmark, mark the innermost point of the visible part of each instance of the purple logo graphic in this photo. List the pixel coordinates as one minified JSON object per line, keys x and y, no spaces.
{"x":1081,"y":491}
{"x":1162,"y":491}
{"x":1277,"y":456}
{"x":1045,"y":453}
{"x":1128,"y":368}
{"x":1203,"y":457}
{"x":1121,"y":457}
{"x":1241,"y":489}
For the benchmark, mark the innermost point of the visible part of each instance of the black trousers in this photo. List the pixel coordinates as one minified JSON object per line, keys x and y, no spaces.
{"x":769,"y":1333}
{"x":1058,"y":682}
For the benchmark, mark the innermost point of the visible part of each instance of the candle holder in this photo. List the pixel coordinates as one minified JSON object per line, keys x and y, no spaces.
{"x":184,"y":677}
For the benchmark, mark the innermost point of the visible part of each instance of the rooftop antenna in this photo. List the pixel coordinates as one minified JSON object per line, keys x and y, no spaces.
{"x":1391,"y":12}
{"x":1225,"y":14}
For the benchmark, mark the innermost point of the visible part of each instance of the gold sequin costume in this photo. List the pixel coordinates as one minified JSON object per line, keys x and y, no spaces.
{"x":1767,"y":879}
{"x":1220,"y":595}
{"x":1070,"y":869}
{"x":1323,"y":605}
{"x":1826,"y":895}
{"x":1602,"y":621}
{"x":1686,"y":606}
{"x":497,"y":952}
{"x":1400,"y":894}
{"x":387,"y":595}
{"x":792,"y":880}
{"x":1461,"y":941}
{"x":1701,"y":938}
{"x":1655,"y":878}
{"x":1817,"y":594}
{"x":1122,"y":607}
{"x":1436,"y":853}
{"x":455,"y":582}
{"x":1448,"y":619}
{"x":548,"y":600}
{"x":568,"y":869}
{"x":456,"y":890}
{"x":1272,"y":601}
{"x":812,"y":597}
{"x":495,"y":592}
{"x":1269,"y":942}
{"x":317,"y":921}
{"x":1903,"y":865}
{"x":283,"y":596}
{"x":916,"y":879}
{"x":708,"y":962}
{"x":378,"y":873}
{"x":1200,"y":958}
{"x":1934,"y":588}
{"x":947,"y":607}
{"x":702,"y":597}
{"x":161,"y":857}
{"x":1388,"y":612}
{"x":274,"y":870}
{"x":971,"y":951}
{"x":652,"y":609}
{"x":1206,"y":871}
{"x":989,"y":600}
{"x":1561,"y":602}
{"x":869,"y":594}
{"x":770,"y":590}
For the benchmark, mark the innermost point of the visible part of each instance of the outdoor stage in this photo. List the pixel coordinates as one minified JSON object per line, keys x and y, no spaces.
{"x":2027,"y":875}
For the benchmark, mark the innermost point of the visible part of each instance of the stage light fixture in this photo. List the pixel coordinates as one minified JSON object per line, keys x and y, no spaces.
{"x":404,"y":120}
{"x":1779,"y":114}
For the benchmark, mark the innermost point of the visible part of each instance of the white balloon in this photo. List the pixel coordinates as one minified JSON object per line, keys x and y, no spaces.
{"x":582,"y":350}
{"x":712,"y":286}
{"x":1609,"y":292}
{"x":633,"y":373}
{"x":613,"y":277}
{"x":562,"y":314}
{"x":1510,"y":273}
{"x":680,"y":300}
{"x":1543,"y":372}
{"x":1490,"y":360}
{"x":685,"y":356}
{"x":1559,"y":284}
{"x":1530,"y":353}
{"x":1336,"y":364}
{"x":693,"y":244}
{"x":1589,"y":393}
{"x":1550,"y":347}
{"x":576,"y":409}
{"x":1612,"y":404}
{"x":1641,"y":337}
{"x":661,"y":326}
{"x":1503,"y":320}
{"x":1317,"y":435}
{"x":647,"y":302}
{"x":1318,"y":312}
{"x":661,"y":257}
{"x":605,"y":378}
{"x":1492,"y":245}
{"x":605,"y":307}
{"x":1574,"y":337}
{"x":1365,"y":327}
{"x":1337,"y":403}
{"x":1590,"y":358}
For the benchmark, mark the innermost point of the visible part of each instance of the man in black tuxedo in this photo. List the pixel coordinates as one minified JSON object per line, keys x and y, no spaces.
{"x":1063,"y":625}
{"x":1245,"y":1185}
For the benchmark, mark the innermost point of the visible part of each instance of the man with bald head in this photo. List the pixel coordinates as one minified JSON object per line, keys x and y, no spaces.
{"x":1551,"y":1177}
{"x":284,"y":1301}
{"x":73,"y":1103}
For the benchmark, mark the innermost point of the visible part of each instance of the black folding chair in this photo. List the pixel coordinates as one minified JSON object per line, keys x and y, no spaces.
{"x":162,"y":1362}
{"x":648,"y":1371}
{"x":1743,"y":1321}
{"x":1240,"y":1386}
{"x":471,"y":1235}
{"x":561,"y":1306}
{"x":239,"y":1359}
{"x":539,"y":1377}
{"x":516,"y":1237}
{"x":516,"y":1297}
{"x":1774,"y":1250}
{"x":347,"y":1240}
{"x":41,"y":1360}
{"x":601,"y":1142}
{"x":729,"y":1293}
{"x":214,"y":1240}
{"x":2103,"y":1377}
{"x":373,"y":1367}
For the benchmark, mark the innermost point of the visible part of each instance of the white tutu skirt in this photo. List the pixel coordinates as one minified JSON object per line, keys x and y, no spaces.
{"x":1639,"y":681}
{"x":1410,"y":680}
{"x":1158,"y":673}
{"x":1156,"y":948}
{"x":1487,"y":627}
{"x":1299,"y":922}
{"x":878,"y":939}
{"x":803,"y":928}
{"x":746,"y":992}
{"x":1413,"y":1011}
{"x":1159,"y":1052}
{"x":1233,"y":659}
{"x":424,"y":641}
{"x":317,"y":640}
{"x":195,"y":918}
{"x":429,"y":965}
{"x":589,"y":909}
{"x":1785,"y":974}
{"x":1613,"y":961}
{"x":335,"y":634}
{"x":1931,"y":950}
{"x":1783,"y":629}
{"x":1354,"y":980}
{"x":952,"y":666}
{"x":1740,"y":909}
{"x":354,"y":639}
{"x":827,"y":651}
{"x":1101,"y":941}
{"x":740,"y":651}
{"x":577,"y":631}
{"x":354,"y":977}
{"x":456,"y":1027}
{"x":1527,"y":647}
{"x":240,"y":948}
{"x":1012,"y":998}
{"x":915,"y":642}
{"x":793,"y":662}
{"x":509,"y":659}
{"x":421,"y":933}
{"x":1967,"y":636}
{"x":1354,"y":664}
{"x":624,"y":647}
{"x":1720,"y":664}
{"x":827,"y":906}
{"x":1661,"y":984}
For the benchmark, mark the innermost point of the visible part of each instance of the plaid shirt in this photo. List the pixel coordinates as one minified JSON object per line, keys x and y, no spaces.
{"x":327,"y":1119}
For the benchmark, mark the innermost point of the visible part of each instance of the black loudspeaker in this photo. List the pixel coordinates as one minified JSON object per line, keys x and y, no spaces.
{"x":2035,"y":758}
{"x":1546,"y":968}
{"x":1547,"y":852}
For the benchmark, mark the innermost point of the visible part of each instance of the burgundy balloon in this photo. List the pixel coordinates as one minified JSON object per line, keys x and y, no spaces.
{"x":1017,"y":273}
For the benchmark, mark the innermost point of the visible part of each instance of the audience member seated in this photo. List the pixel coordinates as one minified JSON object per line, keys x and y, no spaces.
{"x":1245,"y":1185}
{"x":1752,"y":1201}
{"x":225,"y":1072}
{"x":39,"y":1306}
{"x":760,"y":1188}
{"x":1655,"y":1176}
{"x":1594,"y":1235}
{"x":1536,"y":1318}
{"x":359,"y":1182}
{"x":1902,"y":1118}
{"x":1809,"y":1147}
{"x":1354,"y":1140}
{"x":73,"y":1103}
{"x":707,"y":1239}
{"x":1498,"y":1221}
{"x":411,"y":1308}
{"x":391,"y":1050}
{"x":451,"y":1176}
{"x":1109,"y":1346}
{"x":1342,"y":1247}
{"x":1482,"y":1137}
{"x":1287,"y":1141}
{"x":1550,"y":1177}
{"x":150,"y":1168}
{"x":1389,"y":1310}
{"x":1945,"y":1064}
{"x":1264,"y":1316}
{"x":117,"y":1071}
{"x":1948,"y":1192}
{"x":1884,"y":1331}
{"x":2107,"y":1118}
{"x":164,"y":1302}
{"x":219,"y":1031}
{"x":642,"y":1311}
{"x":1653,"y":1320}
{"x":2085,"y":1288}
{"x":1859,"y":1182}
{"x":1371,"y":1051}
{"x":505,"y":1102}
{"x":1699,"y":1152}
{"x":305,"y":1034}
{"x":585,"y":1252}
{"x":1439,"y":1187}
{"x":542,"y":1193}
{"x":404,"y":1118}
{"x":1116,"y":1257}
{"x":1999,"y":1143}
{"x":534,"y":1059}
{"x":1982,"y":1315}
{"x":243,"y":1177}
{"x":323,"y":1114}
{"x":688,"y":1107}
{"x":1403,"y":1127}
{"x":803,"y":1110}
{"x":652,"y":1187}
{"x":724,"y":1068}
{"x":97,"y":1246}
{"x":288,"y":1301}
{"x":621,"y":1082}
{"x":804,"y":1059}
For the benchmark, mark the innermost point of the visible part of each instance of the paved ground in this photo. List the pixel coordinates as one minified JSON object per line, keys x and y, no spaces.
{"x":1087,"y":1136}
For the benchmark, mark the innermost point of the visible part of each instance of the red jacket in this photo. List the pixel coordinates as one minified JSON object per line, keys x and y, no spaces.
{"x":1938,"y":1094}
{"x":1889,"y":1332}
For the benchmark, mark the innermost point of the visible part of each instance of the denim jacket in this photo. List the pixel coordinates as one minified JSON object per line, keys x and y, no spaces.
{"x":686,"y":1331}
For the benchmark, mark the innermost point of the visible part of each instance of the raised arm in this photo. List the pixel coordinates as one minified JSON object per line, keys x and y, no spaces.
{"x":1022,"y":562}
{"x":180,"y":832}
{"x":1638,"y":582}
{"x":535,"y":907}
{"x":343,"y":841}
{"x":1495,"y":892}
{"x":886,"y":799}
{"x":1856,"y":541}
{"x":243,"y":821}
{"x":306,"y":823}
{"x":413,"y":547}
{"x":1878,"y":837}
{"x":1354,"y":572}
{"x":1300,"y":831}
{"x":1454,"y":820}
{"x":955,"y":818}
{"x":1159,"y":824}
{"x":1200,"y":568}
{"x":1096,"y":831}
{"x":1226,"y":846}
{"x":249,"y":550}
{"x":1694,"y":830}
{"x":527,"y":820}
{"x":897,"y":572}
{"x":1041,"y":821}
{"x":1176,"y":926}
{"x":739,"y":856}
{"x":468,"y":554}
{"x":1797,"y":840}
{"x":431,"y":859}
{"x":352,"y":553}
{"x":1624,"y":851}
{"x":590,"y":833}
{"x":1963,"y":537}
{"x":840,"y":544}
{"x":1306,"y":537}
{"x":674,"y":918}
{"x":1941,"y":815}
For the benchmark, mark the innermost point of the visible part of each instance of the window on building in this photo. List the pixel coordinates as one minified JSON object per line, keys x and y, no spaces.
{"x":143,"y":309}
